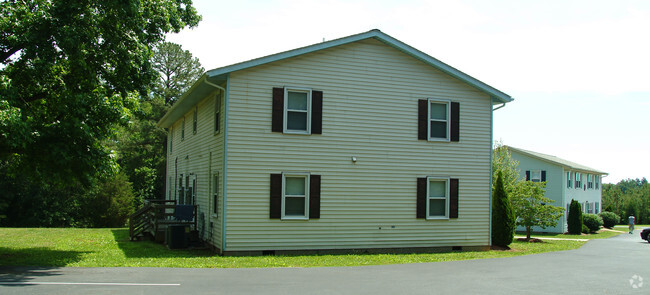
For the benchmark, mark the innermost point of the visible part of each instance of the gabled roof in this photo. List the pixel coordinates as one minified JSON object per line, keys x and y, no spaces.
{"x":200,"y":89}
{"x":557,"y":161}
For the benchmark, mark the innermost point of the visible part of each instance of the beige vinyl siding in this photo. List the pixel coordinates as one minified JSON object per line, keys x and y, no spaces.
{"x":370,"y":106}
{"x":200,"y":154}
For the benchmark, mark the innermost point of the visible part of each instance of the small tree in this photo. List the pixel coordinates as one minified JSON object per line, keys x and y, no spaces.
{"x":574,"y":219}
{"x":532,"y":208}
{"x":503,"y":217}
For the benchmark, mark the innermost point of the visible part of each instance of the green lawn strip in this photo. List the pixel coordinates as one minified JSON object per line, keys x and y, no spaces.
{"x":601,"y":234}
{"x":112,"y":248}
{"x":625,"y":227}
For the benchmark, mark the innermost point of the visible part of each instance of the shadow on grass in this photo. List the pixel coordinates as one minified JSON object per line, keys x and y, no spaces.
{"x":149,"y":249}
{"x":41,"y":256}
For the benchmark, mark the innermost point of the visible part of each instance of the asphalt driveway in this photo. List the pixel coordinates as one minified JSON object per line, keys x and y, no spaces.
{"x":611,"y":266}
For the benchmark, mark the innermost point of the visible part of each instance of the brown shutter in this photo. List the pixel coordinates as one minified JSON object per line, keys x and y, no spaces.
{"x":527,"y":175}
{"x":455,"y":122}
{"x":421,"y":200}
{"x":423,"y":114}
{"x":314,"y":196}
{"x":543,"y":175}
{"x":277,"y":124}
{"x":317,"y":112}
{"x":276,"y":196}
{"x":453,"y":198}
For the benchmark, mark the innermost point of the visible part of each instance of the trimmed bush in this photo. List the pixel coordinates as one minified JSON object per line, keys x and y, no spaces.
{"x":592,"y":221}
{"x":609,"y":219}
{"x":503,"y":216}
{"x":585,"y":229}
{"x":574,"y":219}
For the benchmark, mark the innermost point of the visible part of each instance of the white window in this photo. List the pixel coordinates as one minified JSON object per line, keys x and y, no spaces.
{"x":590,"y":181}
{"x":597,"y":209}
{"x":536,"y":175}
{"x":578,"y":180}
{"x":217,"y":113}
{"x":568,"y":180}
{"x":295,"y":196}
{"x":597,"y":180}
{"x":215,"y":194}
{"x":438,"y":120}
{"x":437,"y":198}
{"x":297,"y":111}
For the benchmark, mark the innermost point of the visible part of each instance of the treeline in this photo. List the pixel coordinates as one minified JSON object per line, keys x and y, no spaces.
{"x":79,"y":102}
{"x":628,"y":197}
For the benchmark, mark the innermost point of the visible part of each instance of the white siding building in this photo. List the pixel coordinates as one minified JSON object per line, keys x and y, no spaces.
{"x":565,"y":181}
{"x":357,"y":143}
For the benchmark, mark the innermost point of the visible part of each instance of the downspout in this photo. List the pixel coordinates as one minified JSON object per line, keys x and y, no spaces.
{"x":225,"y":160}
{"x":491,"y":158}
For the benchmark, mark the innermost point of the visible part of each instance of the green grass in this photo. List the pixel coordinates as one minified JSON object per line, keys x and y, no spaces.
{"x":625,"y":227}
{"x":602,"y":234}
{"x":111,"y":248}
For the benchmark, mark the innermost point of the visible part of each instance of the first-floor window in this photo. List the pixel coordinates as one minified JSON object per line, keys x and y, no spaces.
{"x":295,"y":196}
{"x":437,"y":198}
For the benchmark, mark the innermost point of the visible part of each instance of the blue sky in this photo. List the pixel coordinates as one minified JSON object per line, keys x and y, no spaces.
{"x":579,"y":71}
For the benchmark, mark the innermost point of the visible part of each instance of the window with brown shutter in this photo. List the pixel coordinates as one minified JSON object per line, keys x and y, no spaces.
{"x":297,"y":111}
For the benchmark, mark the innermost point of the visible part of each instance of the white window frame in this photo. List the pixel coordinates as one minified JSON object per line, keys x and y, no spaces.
{"x":447,"y":103}
{"x":286,"y":110}
{"x":590,"y":181}
{"x":171,"y":139}
{"x":431,"y":179}
{"x":569,"y":183}
{"x":578,"y":180}
{"x":183,"y":130}
{"x":304,"y":175}
{"x":532,"y":175}
{"x":597,"y":181}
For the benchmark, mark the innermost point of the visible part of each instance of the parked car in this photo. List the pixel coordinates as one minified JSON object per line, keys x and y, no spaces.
{"x":645,"y":234}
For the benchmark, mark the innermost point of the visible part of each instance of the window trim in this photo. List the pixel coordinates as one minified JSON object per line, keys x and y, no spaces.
{"x":569,"y":183}
{"x":447,"y":103}
{"x":532,"y":173}
{"x":306,"y":176}
{"x":285,"y":111}
{"x":171,"y":140}
{"x":447,"y":197}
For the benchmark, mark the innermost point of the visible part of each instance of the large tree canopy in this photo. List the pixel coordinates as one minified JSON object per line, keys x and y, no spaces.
{"x":71,"y":70}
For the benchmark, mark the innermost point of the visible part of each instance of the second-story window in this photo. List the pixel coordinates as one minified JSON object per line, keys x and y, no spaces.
{"x":438,"y":120}
{"x":297,"y":111}
{"x":568,"y":180}
{"x":183,"y":129}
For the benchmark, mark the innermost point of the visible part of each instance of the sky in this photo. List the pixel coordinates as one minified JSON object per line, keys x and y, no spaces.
{"x":579,"y":71}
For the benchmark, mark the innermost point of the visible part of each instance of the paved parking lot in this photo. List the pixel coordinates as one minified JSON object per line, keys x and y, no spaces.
{"x":612,"y":266}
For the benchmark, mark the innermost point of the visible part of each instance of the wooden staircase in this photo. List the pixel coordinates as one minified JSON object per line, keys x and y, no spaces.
{"x":152,"y":220}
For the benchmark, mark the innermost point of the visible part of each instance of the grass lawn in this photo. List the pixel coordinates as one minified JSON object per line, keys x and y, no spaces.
{"x":625,"y":227}
{"x":601,"y":234}
{"x":111,"y":248}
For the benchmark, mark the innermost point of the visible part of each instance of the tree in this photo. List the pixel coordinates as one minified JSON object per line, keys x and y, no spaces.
{"x":574,"y":220}
{"x":503,"y":163}
{"x":71,"y":72}
{"x":503,"y":216}
{"x":177,"y":71}
{"x":68,"y":76}
{"x":141,"y":145}
{"x":532,"y":208}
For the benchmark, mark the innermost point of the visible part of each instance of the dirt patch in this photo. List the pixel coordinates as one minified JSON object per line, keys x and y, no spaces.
{"x":500,"y":248}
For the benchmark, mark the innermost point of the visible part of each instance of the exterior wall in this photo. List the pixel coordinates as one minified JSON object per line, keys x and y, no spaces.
{"x":370,"y":111}
{"x":555,"y":184}
{"x":199,"y":155}
{"x":583,"y":194}
{"x":556,"y":188}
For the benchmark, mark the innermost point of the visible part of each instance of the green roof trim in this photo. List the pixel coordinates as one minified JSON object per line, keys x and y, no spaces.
{"x":555,"y":160}
{"x":219,"y":75}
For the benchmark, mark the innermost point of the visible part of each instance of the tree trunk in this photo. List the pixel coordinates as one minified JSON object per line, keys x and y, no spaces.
{"x":527,"y":232}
